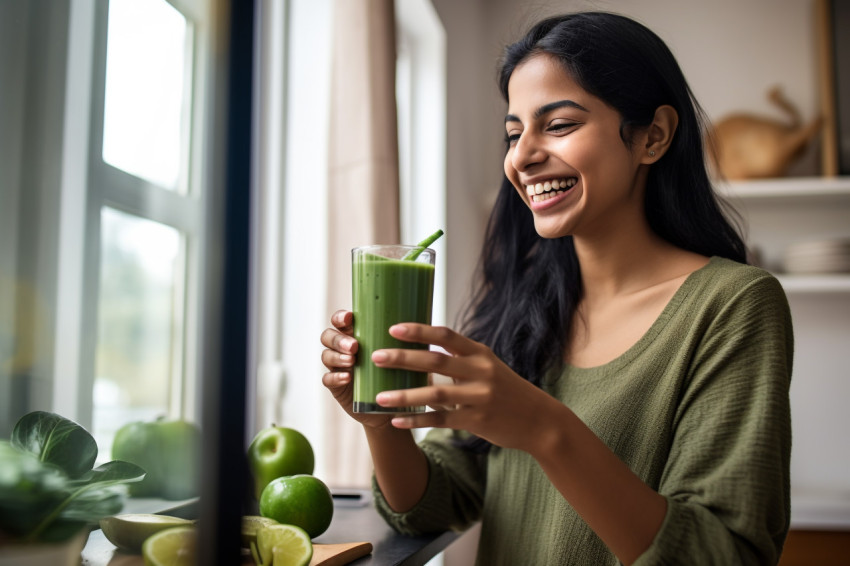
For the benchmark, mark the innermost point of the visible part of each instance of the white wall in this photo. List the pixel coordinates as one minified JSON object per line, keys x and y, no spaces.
{"x":731,"y":51}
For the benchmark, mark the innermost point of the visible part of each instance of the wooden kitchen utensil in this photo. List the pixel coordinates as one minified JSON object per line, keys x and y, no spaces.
{"x":339,"y":554}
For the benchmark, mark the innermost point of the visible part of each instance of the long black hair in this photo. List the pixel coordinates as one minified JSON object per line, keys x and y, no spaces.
{"x":528,"y":287}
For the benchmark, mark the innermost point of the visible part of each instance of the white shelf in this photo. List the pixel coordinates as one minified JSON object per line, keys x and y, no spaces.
{"x":820,"y":509}
{"x":815,"y":283}
{"x":790,"y":210}
{"x":785,"y":190}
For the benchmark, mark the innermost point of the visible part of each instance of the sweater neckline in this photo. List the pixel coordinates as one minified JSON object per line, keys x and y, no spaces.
{"x":621,"y":361}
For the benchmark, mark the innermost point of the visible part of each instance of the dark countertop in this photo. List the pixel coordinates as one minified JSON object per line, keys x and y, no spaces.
{"x":355,"y":520}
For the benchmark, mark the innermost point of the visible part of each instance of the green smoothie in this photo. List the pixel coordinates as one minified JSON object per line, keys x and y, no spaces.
{"x":386,"y":291}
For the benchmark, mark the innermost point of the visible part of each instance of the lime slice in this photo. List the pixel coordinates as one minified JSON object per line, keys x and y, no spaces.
{"x":129,"y":531}
{"x":284,"y":545}
{"x":250,"y":525}
{"x":171,"y":547}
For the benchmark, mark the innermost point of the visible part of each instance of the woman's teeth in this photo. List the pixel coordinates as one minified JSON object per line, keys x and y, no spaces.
{"x":544,"y":191}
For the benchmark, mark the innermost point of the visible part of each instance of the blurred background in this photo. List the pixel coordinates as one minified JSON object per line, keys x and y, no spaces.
{"x":105,"y":176}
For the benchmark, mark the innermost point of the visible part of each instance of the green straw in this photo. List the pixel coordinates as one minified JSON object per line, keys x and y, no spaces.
{"x":420,"y":247}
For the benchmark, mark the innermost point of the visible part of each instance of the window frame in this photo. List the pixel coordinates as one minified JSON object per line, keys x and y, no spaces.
{"x":99,"y":184}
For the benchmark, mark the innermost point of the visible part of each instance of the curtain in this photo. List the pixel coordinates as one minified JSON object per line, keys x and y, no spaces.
{"x":363,"y":185}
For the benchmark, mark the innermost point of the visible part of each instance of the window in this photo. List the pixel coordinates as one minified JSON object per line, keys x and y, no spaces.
{"x":148,"y":70}
{"x":102,"y":130}
{"x":143,"y":215}
{"x":137,"y":371}
{"x":101,"y":231}
{"x":421,"y":107}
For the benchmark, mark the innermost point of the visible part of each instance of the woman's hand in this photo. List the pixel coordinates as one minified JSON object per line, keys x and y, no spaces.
{"x":488,"y":398}
{"x":339,"y":357}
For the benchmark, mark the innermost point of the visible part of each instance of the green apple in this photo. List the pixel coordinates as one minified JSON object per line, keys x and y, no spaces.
{"x":278,"y":451}
{"x":301,"y":500}
{"x":169,"y":451}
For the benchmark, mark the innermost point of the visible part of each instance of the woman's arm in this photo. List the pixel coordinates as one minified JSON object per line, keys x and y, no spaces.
{"x":620,"y":508}
{"x":501,"y":407}
{"x":401,"y":469}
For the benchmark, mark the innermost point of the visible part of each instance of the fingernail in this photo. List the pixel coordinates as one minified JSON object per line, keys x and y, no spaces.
{"x":398,"y":330}
{"x":379,"y":356}
{"x":343,"y":378}
{"x":383,"y":398}
{"x":346,"y":358}
{"x":347,"y":343}
{"x":400,"y":422}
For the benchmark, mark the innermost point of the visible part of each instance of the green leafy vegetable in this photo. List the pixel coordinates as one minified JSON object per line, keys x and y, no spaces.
{"x":48,"y":489}
{"x":56,"y":440}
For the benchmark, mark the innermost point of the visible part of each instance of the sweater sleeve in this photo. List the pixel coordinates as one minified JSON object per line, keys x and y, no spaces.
{"x":455,"y":493}
{"x":727,"y":478}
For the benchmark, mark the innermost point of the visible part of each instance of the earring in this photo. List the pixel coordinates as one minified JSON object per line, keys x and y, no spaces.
{"x":651,"y":153}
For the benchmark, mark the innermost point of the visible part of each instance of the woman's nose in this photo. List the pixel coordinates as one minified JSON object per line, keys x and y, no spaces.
{"x":527,"y":151}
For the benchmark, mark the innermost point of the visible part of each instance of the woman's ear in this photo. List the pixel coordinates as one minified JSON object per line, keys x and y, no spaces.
{"x":659,"y":134}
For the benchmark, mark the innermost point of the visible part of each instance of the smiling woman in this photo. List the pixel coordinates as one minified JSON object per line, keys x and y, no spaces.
{"x":557,"y":138}
{"x":620,"y":389}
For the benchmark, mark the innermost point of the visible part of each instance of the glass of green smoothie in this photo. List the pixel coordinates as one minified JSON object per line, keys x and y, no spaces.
{"x":390,"y":284}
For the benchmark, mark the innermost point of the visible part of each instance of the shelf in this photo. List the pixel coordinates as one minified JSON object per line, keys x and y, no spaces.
{"x":786,"y":190}
{"x":815,"y":283}
{"x":819,"y":509}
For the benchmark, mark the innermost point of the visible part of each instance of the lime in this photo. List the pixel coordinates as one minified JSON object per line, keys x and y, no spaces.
{"x":284,"y":545}
{"x":171,"y":547}
{"x":129,"y":531}
{"x":250,"y":525}
{"x":300,"y":500}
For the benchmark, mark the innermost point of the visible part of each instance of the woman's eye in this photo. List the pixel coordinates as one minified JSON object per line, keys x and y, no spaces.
{"x":561,"y":126}
{"x":511,"y":139}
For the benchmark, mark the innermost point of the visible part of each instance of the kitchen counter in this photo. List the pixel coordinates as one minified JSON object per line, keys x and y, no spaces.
{"x":355,"y":520}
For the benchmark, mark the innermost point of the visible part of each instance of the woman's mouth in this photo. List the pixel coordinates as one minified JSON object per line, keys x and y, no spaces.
{"x":541,"y":192}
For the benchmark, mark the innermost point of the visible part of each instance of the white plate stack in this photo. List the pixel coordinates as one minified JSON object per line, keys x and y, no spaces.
{"x":823,"y":256}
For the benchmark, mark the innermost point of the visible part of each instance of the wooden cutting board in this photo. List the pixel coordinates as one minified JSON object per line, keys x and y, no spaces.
{"x":339,"y":554}
{"x":323,"y":555}
{"x":328,"y":554}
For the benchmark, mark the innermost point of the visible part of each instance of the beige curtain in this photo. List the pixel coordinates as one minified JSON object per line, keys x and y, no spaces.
{"x":363,"y":184}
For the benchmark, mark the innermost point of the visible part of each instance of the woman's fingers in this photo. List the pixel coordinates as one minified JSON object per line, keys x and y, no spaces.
{"x":461,"y":368}
{"x":434,"y":396}
{"x":453,"y":342}
{"x":343,"y":320}
{"x":336,"y":340}
{"x":336,"y":379}
{"x":431,"y":419}
{"x":341,"y":348}
{"x":334,"y":360}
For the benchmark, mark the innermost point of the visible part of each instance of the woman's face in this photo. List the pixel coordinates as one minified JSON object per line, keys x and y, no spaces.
{"x":566,"y":157}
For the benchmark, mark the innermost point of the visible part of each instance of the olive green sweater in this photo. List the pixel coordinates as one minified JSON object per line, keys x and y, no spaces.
{"x":698,"y":408}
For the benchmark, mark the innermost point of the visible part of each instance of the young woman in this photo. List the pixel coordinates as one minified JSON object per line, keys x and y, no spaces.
{"x":621,"y":390}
